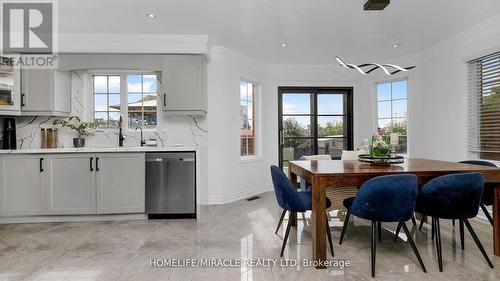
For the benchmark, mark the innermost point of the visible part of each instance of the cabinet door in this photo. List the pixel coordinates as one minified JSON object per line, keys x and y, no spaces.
{"x":10,"y":95}
{"x":120,"y":183}
{"x":21,"y":185}
{"x":71,"y":185}
{"x":183,"y":83}
{"x":36,"y":91}
{"x":46,"y":92}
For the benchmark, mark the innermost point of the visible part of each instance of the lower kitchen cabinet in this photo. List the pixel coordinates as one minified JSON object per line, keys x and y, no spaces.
{"x":72,"y":184}
{"x":22,"y":188}
{"x":71,"y":188}
{"x":120,"y":183}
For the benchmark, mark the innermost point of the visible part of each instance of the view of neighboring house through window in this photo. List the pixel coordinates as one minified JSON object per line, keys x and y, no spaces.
{"x":138,"y":93}
{"x":247,"y":116}
{"x":141,"y":97}
{"x":107,"y":95}
{"x":392,"y":104}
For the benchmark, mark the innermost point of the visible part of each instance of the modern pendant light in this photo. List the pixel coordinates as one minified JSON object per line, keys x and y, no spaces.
{"x":385,"y":67}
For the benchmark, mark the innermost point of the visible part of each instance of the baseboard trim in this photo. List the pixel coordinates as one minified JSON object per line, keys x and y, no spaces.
{"x":72,"y":218}
{"x":218,"y":200}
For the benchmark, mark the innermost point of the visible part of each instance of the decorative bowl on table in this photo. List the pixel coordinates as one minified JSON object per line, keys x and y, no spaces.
{"x":381,"y":160}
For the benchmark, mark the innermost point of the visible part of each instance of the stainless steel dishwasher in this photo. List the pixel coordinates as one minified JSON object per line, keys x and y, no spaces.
{"x":171,"y":185}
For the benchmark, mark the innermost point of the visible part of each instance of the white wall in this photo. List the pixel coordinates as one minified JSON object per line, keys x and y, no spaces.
{"x":444,"y":89}
{"x":230,"y":178}
{"x":437,"y":91}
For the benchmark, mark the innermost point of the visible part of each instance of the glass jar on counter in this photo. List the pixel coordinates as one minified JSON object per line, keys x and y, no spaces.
{"x":49,"y":138}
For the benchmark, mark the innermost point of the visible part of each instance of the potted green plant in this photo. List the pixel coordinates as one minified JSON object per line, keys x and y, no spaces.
{"x":379,"y":147}
{"x":82,"y":128}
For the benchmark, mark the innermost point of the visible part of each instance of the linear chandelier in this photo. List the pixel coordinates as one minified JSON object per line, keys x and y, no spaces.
{"x":374,"y":66}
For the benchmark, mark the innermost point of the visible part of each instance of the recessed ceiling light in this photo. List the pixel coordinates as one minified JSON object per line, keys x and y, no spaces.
{"x":151,"y":16}
{"x":395,"y":46}
{"x":283,"y":44}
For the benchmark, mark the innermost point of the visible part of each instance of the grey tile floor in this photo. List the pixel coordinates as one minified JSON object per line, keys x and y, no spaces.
{"x":122,"y":250}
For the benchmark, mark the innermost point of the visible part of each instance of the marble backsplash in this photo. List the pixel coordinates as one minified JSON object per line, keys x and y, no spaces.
{"x":171,"y":130}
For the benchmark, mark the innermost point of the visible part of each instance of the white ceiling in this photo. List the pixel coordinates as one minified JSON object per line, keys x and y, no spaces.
{"x":315,"y":30}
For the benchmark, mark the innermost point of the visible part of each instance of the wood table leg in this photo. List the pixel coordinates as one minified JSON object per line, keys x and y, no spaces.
{"x":292,"y":215}
{"x":496,"y":221}
{"x":318,"y":222}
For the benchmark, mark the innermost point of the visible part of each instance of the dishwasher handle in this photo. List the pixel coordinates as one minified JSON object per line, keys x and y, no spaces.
{"x":170,"y":160}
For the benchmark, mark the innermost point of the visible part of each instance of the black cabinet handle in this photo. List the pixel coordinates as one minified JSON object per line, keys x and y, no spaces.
{"x":91,"y":168}
{"x":164,"y":99}
{"x":97,"y":164}
{"x":41,"y":165}
{"x":22,"y":100}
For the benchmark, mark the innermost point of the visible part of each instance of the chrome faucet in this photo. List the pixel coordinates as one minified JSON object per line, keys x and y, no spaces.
{"x":142,"y":139}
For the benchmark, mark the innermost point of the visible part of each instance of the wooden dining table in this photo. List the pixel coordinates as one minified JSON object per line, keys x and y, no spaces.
{"x":323,"y":174}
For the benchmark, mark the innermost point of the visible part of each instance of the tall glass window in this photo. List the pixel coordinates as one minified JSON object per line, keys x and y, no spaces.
{"x":247,"y":118}
{"x":141,"y":101}
{"x":392,"y":105}
{"x":106,"y":93}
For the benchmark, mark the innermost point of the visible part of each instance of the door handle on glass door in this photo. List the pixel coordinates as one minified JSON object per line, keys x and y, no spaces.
{"x":282,"y":138}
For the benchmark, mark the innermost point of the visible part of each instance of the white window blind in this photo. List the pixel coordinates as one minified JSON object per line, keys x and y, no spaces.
{"x":484,"y":107}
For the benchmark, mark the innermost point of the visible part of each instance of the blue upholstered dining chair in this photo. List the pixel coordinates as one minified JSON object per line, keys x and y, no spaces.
{"x":487,"y":199}
{"x":384,"y":199}
{"x":455,"y":196}
{"x":292,"y":201}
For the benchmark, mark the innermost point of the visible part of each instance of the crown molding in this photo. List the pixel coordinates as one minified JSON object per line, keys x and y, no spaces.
{"x":132,"y":43}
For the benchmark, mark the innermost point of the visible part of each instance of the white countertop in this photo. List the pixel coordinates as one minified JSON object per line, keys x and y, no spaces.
{"x":100,"y":149}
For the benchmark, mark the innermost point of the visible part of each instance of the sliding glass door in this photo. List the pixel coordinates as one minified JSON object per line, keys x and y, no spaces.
{"x":314,"y":121}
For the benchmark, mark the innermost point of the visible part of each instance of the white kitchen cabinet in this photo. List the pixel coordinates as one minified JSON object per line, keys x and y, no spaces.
{"x":45,"y":92}
{"x":10,"y":90}
{"x":184,"y":84}
{"x":22,"y":188}
{"x":71,"y":187}
{"x":120,"y":183}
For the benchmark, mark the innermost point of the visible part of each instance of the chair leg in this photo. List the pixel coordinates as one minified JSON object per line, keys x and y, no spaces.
{"x":304,"y":220}
{"x":413,"y":246}
{"x":422,"y":219}
{"x":453,"y":222}
{"x":438,"y":243}
{"x":280,"y":221}
{"x":462,"y":241}
{"x":374,"y":246}
{"x":413,"y":220}
{"x":286,"y":236}
{"x":478,"y":243}
{"x":379,"y":231}
{"x":329,"y":235}
{"x":433,"y":229}
{"x":396,"y":234}
{"x":344,"y":227}
{"x":487,"y":214}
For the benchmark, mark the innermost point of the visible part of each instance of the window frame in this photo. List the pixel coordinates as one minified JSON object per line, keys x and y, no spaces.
{"x":123,"y":95}
{"x":256,"y":118}
{"x":408,"y":108}
{"x":314,"y":91}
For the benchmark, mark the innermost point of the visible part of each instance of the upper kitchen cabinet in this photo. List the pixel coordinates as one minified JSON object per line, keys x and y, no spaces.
{"x":45,"y":92}
{"x":184,"y":85}
{"x":10,"y":90}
